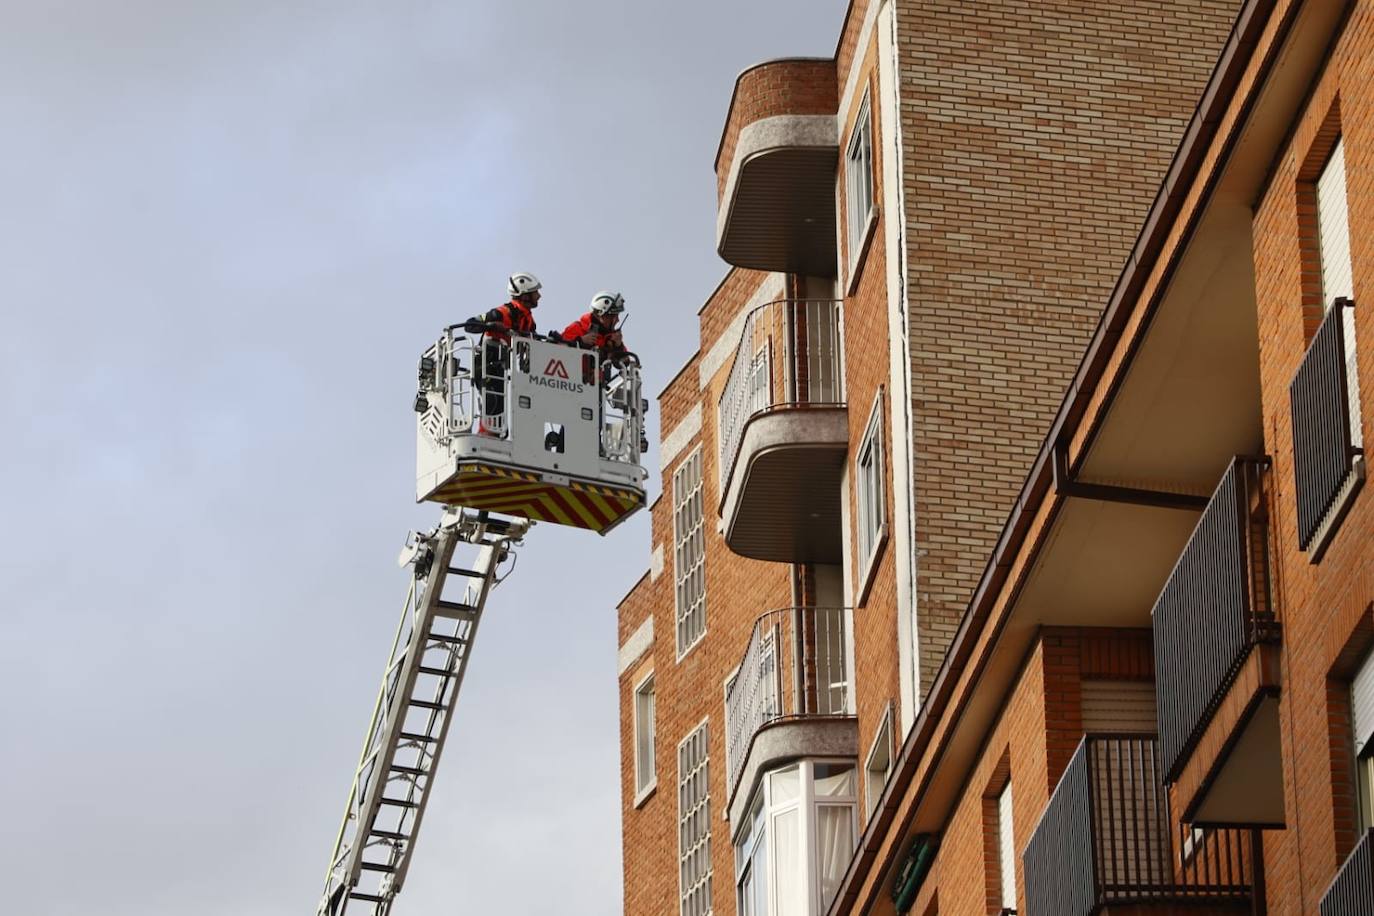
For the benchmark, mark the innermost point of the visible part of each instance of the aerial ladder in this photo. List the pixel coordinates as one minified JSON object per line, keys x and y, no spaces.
{"x":508,"y":434}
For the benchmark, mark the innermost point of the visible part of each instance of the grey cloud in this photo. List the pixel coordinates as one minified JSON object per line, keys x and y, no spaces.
{"x":230,"y":227}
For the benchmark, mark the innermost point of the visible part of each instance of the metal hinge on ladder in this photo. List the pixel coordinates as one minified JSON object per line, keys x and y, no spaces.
{"x":414,"y":708}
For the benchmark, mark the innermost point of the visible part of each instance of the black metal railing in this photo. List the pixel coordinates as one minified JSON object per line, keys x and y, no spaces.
{"x":1107,"y":837}
{"x":1352,"y":891}
{"x":1320,"y":398}
{"x":1216,"y":604}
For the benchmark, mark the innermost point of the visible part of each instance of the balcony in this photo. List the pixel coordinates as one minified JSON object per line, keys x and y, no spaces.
{"x":1216,"y":661}
{"x":790,"y":697}
{"x":1328,"y":462}
{"x":1106,"y":842}
{"x":784,"y":433}
{"x":775,"y":169}
{"x":1353,"y":888}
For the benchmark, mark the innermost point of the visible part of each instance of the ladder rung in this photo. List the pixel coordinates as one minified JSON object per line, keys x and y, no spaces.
{"x":441,"y":672}
{"x":425,"y":704}
{"x":411,"y":771}
{"x":455,"y":609}
{"x":413,"y":736}
{"x":390,"y":835}
{"x":370,"y":898}
{"x":446,"y":640}
{"x":470,"y":573}
{"x":376,"y":866}
{"x":399,"y":802}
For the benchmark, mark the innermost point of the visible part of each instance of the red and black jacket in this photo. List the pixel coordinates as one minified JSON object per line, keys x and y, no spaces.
{"x":608,"y":342}
{"x":499,"y":322}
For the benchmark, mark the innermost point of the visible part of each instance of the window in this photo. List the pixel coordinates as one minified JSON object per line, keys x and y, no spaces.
{"x":694,"y":824}
{"x":879,"y":765}
{"x":1362,"y":723}
{"x":858,"y":182}
{"x":751,"y":862}
{"x":689,"y":539}
{"x":869,"y":473}
{"x":761,"y":379}
{"x":792,"y":850}
{"x":1006,"y":850}
{"x":1333,"y":240}
{"x":646,"y":773}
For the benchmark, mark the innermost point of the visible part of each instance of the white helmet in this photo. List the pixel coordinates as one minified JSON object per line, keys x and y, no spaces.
{"x":607,"y":303}
{"x":521,"y":283}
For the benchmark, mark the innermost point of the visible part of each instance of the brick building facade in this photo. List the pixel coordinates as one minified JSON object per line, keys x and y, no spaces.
{"x":1197,"y":500}
{"x":898,"y":574}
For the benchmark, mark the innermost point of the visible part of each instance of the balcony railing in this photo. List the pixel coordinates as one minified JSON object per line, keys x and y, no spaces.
{"x":788,"y":356}
{"x":1216,"y":604}
{"x":1107,"y":838}
{"x":1352,"y":892}
{"x":795,"y":666}
{"x":1324,"y":398}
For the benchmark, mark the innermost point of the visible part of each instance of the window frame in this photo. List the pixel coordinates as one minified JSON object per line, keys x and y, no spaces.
{"x":1006,"y":846}
{"x":644,"y":789}
{"x":695,"y":498}
{"x":870,"y":458}
{"x":1360,"y":687}
{"x":1326,"y":253}
{"x":688,"y":817}
{"x":859,"y":176}
{"x":883,"y":741}
{"x":807,"y":805}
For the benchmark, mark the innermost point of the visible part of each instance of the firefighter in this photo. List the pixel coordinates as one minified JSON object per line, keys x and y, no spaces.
{"x":496,"y":328}
{"x":597,"y":329}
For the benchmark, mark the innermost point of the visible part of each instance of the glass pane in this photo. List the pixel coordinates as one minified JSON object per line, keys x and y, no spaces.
{"x":784,"y":786}
{"x":789,"y":880}
{"x":834,"y":846}
{"x":835,"y":781}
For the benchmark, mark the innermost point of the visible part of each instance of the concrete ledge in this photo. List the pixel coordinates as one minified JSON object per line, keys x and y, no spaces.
{"x":777,"y":204}
{"x":782,"y":499}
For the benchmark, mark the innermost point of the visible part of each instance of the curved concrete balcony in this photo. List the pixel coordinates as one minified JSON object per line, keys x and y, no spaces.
{"x":775,"y":169}
{"x":784,"y":434}
{"x":790,"y":697}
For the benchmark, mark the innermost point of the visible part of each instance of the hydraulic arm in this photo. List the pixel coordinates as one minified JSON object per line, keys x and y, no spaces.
{"x":414,"y":708}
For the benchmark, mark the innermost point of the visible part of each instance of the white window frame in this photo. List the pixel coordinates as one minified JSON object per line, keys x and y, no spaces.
{"x":859,"y":185}
{"x":762,"y":363}
{"x":807,"y":805}
{"x":693,"y":501}
{"x":1361,"y":712}
{"x":870,"y":491}
{"x":1333,"y":247}
{"x":689,"y":820}
{"x":1006,"y":848}
{"x":879,"y":761}
{"x":645,"y":783}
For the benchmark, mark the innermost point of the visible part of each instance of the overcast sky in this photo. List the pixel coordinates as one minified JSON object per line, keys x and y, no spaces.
{"x":228,"y":230}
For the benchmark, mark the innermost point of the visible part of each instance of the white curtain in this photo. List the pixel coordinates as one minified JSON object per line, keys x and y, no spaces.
{"x":789,"y":874}
{"x":834,"y":847}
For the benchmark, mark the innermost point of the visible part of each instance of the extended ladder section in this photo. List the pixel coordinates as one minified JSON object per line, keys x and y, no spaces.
{"x":414,"y":708}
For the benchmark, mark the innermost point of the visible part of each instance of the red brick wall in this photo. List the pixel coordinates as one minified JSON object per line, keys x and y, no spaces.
{"x":1032,"y":741}
{"x":1323,"y":607}
{"x":1036,"y":133}
{"x":780,"y":87}
{"x":738,"y":590}
{"x":867,"y":368}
